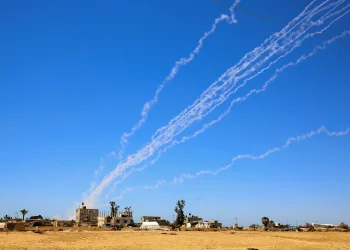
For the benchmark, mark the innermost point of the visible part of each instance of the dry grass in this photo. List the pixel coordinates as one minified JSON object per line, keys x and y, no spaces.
{"x":118,"y":240}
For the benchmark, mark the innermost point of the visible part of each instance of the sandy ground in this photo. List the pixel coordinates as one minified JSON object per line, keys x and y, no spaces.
{"x":118,"y":240}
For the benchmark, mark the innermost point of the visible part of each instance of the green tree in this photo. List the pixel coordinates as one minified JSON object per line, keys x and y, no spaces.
{"x":24,"y":212}
{"x":179,"y":210}
{"x":265,"y":221}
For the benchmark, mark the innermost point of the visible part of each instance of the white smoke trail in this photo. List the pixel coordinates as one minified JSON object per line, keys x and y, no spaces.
{"x":227,"y":93}
{"x":167,"y":136}
{"x":243,"y":63}
{"x":220,"y":100}
{"x":240,"y":99}
{"x":289,"y":141}
{"x":254,"y":91}
{"x":246,"y":58}
{"x":182,"y":62}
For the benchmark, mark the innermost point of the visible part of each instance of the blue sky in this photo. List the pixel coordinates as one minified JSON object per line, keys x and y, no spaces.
{"x":76,"y":74}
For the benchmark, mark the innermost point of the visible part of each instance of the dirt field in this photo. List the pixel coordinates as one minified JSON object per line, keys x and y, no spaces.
{"x":117,"y":240}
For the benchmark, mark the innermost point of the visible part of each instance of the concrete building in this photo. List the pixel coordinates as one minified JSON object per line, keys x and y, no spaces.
{"x":153,"y":225}
{"x":149,"y":218}
{"x":3,"y":226}
{"x":15,"y":226}
{"x":121,"y":219}
{"x":113,"y":221}
{"x":215,"y":224}
{"x":202,"y":224}
{"x":318,"y":225}
{"x":158,"y":219}
{"x":63,"y":223}
{"x":193,"y":219}
{"x":86,"y":216}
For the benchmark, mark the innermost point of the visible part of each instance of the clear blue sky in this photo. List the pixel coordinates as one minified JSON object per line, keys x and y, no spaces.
{"x":75,"y":74}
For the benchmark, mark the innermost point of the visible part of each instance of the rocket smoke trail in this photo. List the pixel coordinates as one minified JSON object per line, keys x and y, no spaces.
{"x":182,"y":62}
{"x":215,"y":95}
{"x":289,"y":141}
{"x":243,"y":98}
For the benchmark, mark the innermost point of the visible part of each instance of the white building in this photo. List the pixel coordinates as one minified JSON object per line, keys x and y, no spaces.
{"x":3,"y":226}
{"x":152,"y":225}
{"x":323,"y":225}
{"x":203,"y":224}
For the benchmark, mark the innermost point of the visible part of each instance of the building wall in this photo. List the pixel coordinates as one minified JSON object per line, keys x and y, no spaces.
{"x":192,"y":219}
{"x":85,"y":215}
{"x":150,"y":218}
{"x":113,"y":221}
{"x":203,"y":224}
{"x":15,"y":226}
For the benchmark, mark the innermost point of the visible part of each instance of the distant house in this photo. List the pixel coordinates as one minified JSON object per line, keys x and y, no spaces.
{"x":62,"y":223}
{"x":318,"y":225}
{"x":36,"y":217}
{"x":36,"y":220}
{"x":202,"y":224}
{"x":107,"y":221}
{"x":15,"y":226}
{"x":193,"y":219}
{"x":3,"y":226}
{"x":86,"y":215}
{"x":121,"y":219}
{"x":149,"y":218}
{"x":153,"y":225}
{"x":158,"y":219}
{"x":215,"y":224}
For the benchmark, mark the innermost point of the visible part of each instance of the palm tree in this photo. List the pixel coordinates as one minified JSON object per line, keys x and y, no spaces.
{"x":113,"y":213}
{"x":24,"y":212}
{"x":265,"y":221}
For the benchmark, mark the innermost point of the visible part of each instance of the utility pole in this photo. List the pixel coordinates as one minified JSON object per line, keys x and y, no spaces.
{"x":173,"y":219}
{"x":236,"y":221}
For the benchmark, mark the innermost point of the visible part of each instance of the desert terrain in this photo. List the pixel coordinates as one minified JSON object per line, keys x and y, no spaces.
{"x":118,"y":240}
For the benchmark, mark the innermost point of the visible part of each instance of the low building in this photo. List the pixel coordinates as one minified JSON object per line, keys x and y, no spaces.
{"x":121,"y":219}
{"x":107,"y":221}
{"x":202,"y":224}
{"x":3,"y":226}
{"x":63,"y":223}
{"x":153,"y":225}
{"x":215,"y":224}
{"x":149,"y":218}
{"x":36,"y":217}
{"x":193,"y":219}
{"x":158,"y":219}
{"x":318,"y":225}
{"x":15,"y":226}
{"x":86,"y":215}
